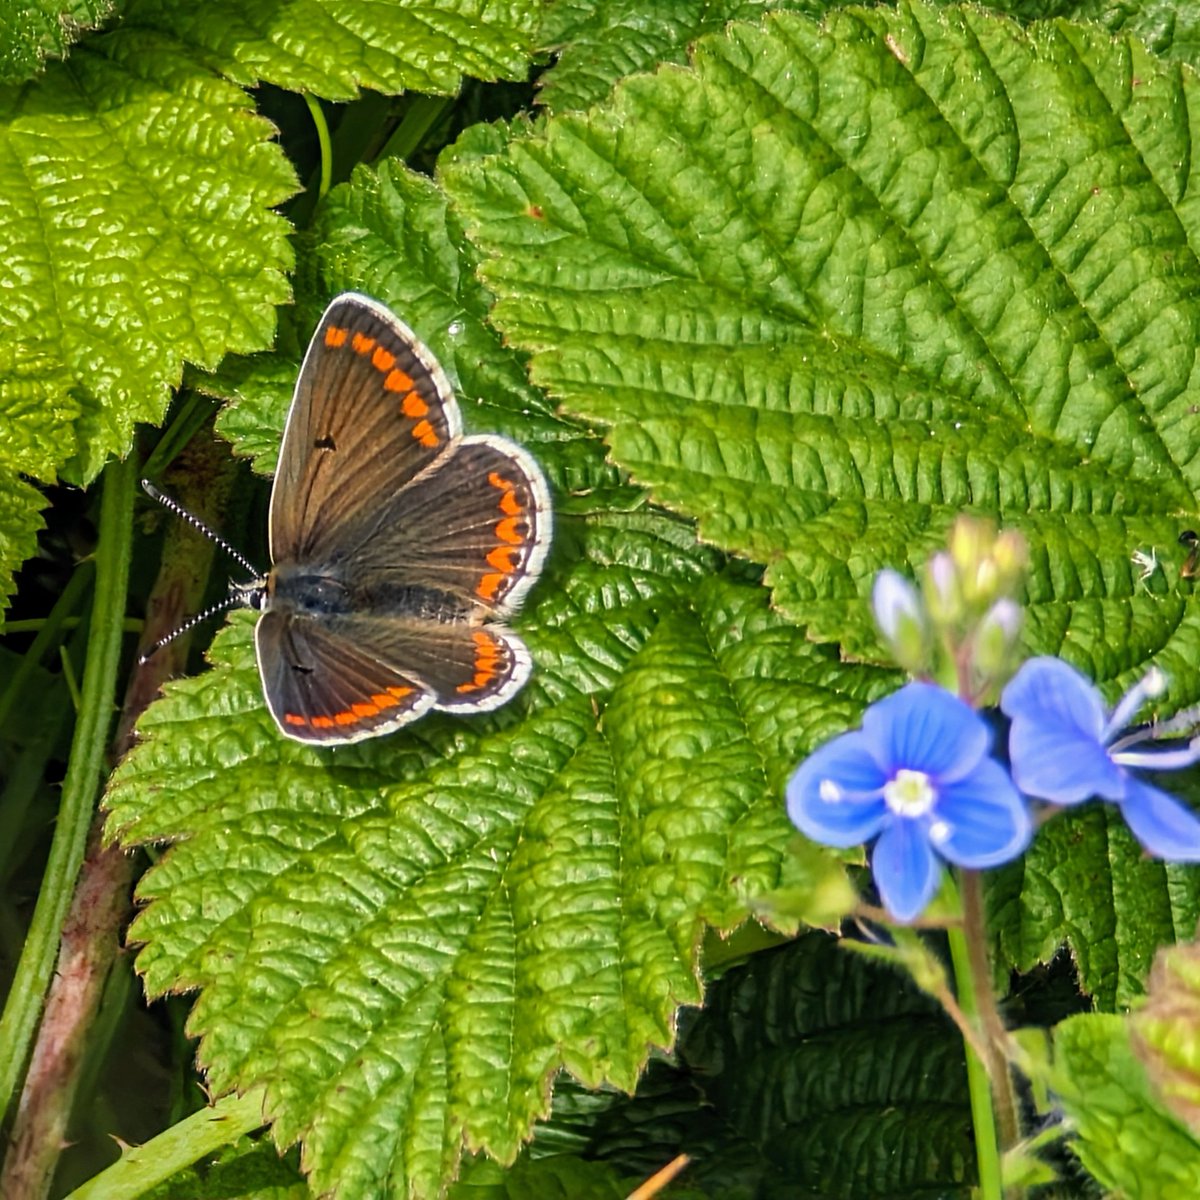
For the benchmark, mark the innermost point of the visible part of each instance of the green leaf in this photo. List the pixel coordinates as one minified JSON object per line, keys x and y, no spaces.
{"x":1170,"y":29}
{"x":20,"y":520}
{"x":556,"y":1178}
{"x":33,"y":30}
{"x":1123,"y":1136}
{"x":332,"y":49}
{"x":169,"y":253}
{"x":810,"y":1071}
{"x":599,"y":41}
{"x":834,"y":285}
{"x":426,"y":928}
{"x":1085,"y":880}
{"x":1166,"y":1029}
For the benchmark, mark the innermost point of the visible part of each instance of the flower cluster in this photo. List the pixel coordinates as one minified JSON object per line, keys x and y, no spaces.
{"x":919,"y":776}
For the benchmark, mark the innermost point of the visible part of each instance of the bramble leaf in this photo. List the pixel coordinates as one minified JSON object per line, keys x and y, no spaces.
{"x":426,"y":927}
{"x":1086,"y":880}
{"x":599,"y":41}
{"x":332,"y":49}
{"x":171,"y":253}
{"x":834,"y":285}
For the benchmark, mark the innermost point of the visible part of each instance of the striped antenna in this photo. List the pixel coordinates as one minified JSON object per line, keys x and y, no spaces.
{"x":238,"y":594}
{"x":195,"y":522}
{"x":191,"y":623}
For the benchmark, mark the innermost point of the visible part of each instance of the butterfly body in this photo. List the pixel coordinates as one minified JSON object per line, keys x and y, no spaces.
{"x":398,"y":545}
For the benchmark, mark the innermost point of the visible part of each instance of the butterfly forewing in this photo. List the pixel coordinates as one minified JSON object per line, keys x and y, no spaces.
{"x":372,"y":409}
{"x":322,"y":687}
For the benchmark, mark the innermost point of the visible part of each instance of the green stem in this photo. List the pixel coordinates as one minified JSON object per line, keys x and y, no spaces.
{"x":322,"y":126}
{"x":148,"y":1165}
{"x":47,"y":630}
{"x":971,"y":990}
{"x":85,"y":770}
{"x":422,"y":114}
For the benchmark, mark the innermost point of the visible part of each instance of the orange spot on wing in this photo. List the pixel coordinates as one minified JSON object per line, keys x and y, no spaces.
{"x":365,"y":710}
{"x":498,"y":481}
{"x":345,"y":718}
{"x":487,"y":658}
{"x":510,"y":504}
{"x":322,"y":722}
{"x":362,"y":343}
{"x":488,"y":586}
{"x":294,"y":719}
{"x":335,"y":336}
{"x":382,"y":360}
{"x":397,"y":381}
{"x":400,"y":692}
{"x":424,"y":434}
{"x":383,"y":700}
{"x":500,"y":558}
{"x":506,"y":531}
{"x":413,"y":406}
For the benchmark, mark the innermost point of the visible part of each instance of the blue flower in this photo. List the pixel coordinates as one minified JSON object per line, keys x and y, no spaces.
{"x":918,"y":775}
{"x":1065,"y":750}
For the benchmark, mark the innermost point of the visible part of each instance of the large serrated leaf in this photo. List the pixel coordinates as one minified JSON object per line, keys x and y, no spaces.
{"x":405,"y":939}
{"x":332,"y":49}
{"x":599,"y":41}
{"x":425,"y":929}
{"x":811,"y":1071}
{"x":170,"y":252}
{"x":834,"y":285}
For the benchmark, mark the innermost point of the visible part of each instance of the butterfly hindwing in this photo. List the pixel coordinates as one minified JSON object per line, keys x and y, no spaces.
{"x":371,"y":410}
{"x":467,"y":668}
{"x":323,"y":688}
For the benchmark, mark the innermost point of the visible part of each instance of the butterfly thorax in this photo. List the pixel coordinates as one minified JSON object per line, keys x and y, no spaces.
{"x":305,"y":591}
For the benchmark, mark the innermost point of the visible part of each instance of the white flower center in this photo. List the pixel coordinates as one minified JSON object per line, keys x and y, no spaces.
{"x":909,"y":793}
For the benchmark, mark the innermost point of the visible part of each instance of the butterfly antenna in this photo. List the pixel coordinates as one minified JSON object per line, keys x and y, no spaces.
{"x":238,"y":557}
{"x":190,"y":623}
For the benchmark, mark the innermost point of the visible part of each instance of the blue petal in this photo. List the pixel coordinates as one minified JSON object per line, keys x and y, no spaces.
{"x":1165,"y":827}
{"x":926,"y":728}
{"x":847,"y":821}
{"x":906,"y":869}
{"x":987,"y":818}
{"x":1054,"y":744}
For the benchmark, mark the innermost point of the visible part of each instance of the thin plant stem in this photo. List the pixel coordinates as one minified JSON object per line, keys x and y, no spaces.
{"x":143,"y":1167}
{"x":322,"y":127}
{"x":993,"y":1104}
{"x":85,"y":770}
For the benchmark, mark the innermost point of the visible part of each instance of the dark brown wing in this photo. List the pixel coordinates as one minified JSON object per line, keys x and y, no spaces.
{"x":321,"y":687}
{"x":466,"y":668}
{"x":372,"y":409}
{"x":473,"y":529}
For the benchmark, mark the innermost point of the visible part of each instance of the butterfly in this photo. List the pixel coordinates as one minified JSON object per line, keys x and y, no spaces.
{"x":399,"y":546}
